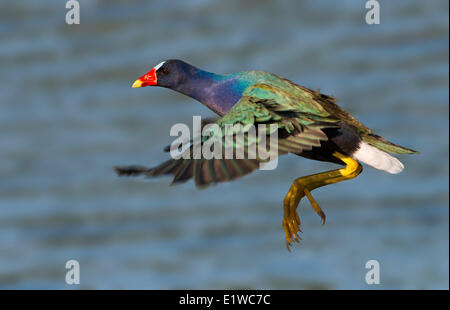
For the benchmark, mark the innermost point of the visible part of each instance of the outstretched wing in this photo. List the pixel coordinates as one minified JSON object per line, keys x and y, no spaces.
{"x":298,"y":123}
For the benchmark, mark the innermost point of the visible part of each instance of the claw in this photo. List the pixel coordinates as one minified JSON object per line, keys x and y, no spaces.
{"x":288,"y":246}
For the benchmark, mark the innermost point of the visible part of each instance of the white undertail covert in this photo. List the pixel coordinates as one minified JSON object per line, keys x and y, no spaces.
{"x":377,"y":159}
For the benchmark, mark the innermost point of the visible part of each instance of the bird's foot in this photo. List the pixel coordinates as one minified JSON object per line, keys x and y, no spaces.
{"x":302,"y":186}
{"x":291,"y":220}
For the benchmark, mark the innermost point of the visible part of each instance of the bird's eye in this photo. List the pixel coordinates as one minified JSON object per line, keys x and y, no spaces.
{"x":165,"y":71}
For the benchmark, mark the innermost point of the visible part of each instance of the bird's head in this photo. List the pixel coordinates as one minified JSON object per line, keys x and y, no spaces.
{"x":205,"y":87}
{"x":169,"y":73}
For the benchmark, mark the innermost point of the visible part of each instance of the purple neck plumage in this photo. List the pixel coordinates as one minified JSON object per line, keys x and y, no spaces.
{"x":217,"y":92}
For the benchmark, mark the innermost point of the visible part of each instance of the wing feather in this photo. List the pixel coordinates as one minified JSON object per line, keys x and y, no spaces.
{"x":299,"y":122}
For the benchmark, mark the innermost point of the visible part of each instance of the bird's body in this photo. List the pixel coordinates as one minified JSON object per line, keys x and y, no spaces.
{"x":310,"y":124}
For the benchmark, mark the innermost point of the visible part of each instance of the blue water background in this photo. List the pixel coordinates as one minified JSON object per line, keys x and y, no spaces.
{"x":68,"y":114}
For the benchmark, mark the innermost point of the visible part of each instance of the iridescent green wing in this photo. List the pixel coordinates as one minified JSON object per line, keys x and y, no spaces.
{"x":298,"y":126}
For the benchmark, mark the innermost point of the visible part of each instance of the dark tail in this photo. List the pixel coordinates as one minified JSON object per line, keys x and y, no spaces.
{"x":384,"y":145}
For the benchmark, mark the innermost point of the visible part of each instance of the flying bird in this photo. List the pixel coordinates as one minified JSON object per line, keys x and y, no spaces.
{"x":310,"y":124}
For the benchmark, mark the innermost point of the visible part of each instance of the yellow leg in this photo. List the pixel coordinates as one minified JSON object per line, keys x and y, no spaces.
{"x":303,"y":186}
